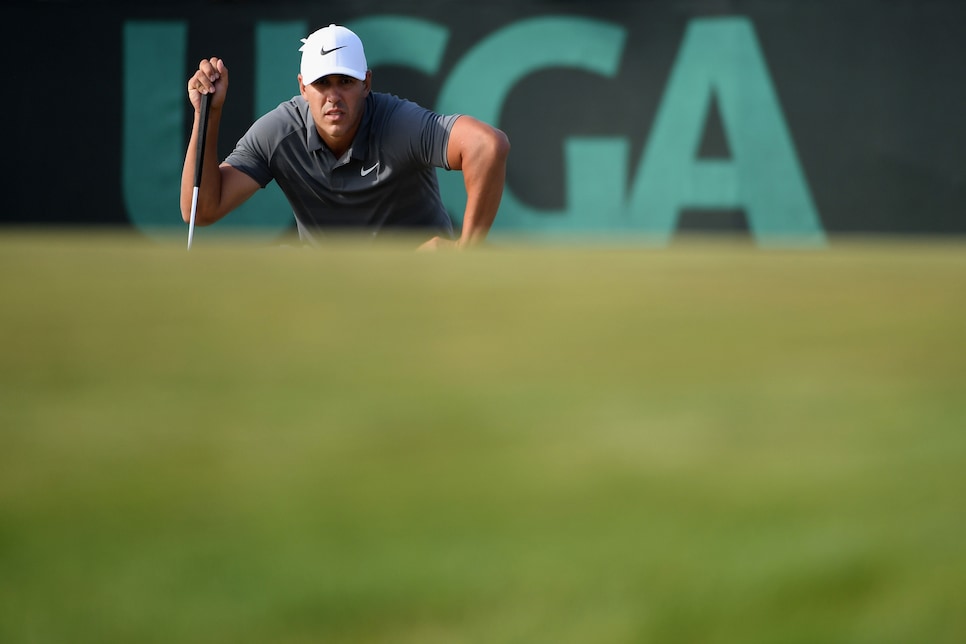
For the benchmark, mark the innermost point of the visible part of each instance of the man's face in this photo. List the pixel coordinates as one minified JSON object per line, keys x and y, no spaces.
{"x":337,"y":103}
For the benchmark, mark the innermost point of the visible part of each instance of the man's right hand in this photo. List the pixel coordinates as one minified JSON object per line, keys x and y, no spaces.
{"x":211,"y":78}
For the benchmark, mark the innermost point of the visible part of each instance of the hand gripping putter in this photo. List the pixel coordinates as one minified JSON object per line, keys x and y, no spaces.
{"x":199,"y":161}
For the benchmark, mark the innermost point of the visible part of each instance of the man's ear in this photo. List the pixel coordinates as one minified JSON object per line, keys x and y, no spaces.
{"x":368,"y":81}
{"x":301,"y":86}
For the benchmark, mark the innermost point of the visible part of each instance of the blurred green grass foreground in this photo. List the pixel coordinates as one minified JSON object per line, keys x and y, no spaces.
{"x":703,"y":443}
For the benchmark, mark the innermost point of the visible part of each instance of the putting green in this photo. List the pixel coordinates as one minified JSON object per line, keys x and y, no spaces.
{"x":528,"y":443}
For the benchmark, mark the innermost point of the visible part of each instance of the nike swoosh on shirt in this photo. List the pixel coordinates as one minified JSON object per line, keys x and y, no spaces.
{"x":326,"y":52}
{"x":367,"y":171}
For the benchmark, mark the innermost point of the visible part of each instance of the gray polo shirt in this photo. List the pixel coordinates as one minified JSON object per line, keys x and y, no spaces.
{"x":385,"y":181}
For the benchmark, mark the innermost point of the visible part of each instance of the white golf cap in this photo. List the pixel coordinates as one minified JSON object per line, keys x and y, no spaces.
{"x":332,"y":50}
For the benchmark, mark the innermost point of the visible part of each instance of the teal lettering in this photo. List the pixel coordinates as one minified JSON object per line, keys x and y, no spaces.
{"x":721,"y":58}
{"x":400,"y":40}
{"x":153,"y":143}
{"x":479,"y":85}
{"x":719,"y":61}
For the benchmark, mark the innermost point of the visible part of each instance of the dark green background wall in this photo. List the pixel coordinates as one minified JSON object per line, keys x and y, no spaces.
{"x":872,"y":96}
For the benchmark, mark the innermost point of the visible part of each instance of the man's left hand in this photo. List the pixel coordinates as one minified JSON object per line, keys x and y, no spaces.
{"x":438,"y":243}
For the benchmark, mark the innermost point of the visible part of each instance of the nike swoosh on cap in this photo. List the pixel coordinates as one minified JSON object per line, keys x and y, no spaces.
{"x":326,"y":52}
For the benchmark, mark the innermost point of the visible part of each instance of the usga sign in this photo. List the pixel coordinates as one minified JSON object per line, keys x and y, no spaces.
{"x":718,"y":59}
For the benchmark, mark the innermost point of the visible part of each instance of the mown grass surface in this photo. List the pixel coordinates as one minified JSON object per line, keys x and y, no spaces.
{"x":703,"y":443}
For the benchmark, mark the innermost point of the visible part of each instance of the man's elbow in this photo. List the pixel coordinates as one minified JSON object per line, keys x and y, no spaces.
{"x":498,"y":145}
{"x":202,"y":217}
{"x":489,"y":149}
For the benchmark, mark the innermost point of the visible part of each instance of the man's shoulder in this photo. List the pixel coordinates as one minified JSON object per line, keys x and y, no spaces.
{"x":386,"y":104}
{"x":391,"y":112}
{"x":385,"y":99}
{"x":287,"y":117}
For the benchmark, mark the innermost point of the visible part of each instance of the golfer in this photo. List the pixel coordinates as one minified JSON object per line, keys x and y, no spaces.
{"x":346,"y":157}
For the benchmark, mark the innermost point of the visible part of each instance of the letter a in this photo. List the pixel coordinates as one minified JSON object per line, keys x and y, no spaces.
{"x":721,"y":58}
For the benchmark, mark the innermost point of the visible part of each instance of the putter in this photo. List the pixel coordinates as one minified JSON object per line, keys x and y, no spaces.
{"x":199,"y":161}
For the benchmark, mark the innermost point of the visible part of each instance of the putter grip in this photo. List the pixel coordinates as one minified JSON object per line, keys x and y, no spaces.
{"x":202,"y":137}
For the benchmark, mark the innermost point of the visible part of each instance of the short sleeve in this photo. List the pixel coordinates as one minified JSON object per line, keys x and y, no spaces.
{"x":421,"y":134}
{"x":253,"y":152}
